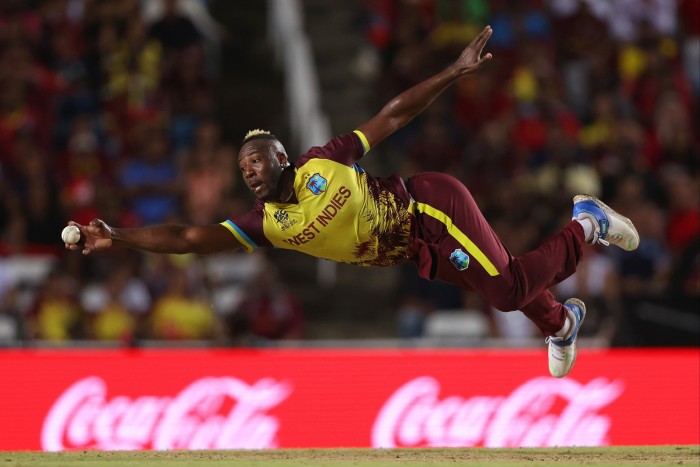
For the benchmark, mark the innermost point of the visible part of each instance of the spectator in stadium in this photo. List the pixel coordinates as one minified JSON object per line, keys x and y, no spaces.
{"x":181,"y":313}
{"x":116,"y":309}
{"x":683,"y":224}
{"x":151,"y":180}
{"x":174,"y":30}
{"x":419,"y":298}
{"x":56,"y":314}
{"x":11,"y":322}
{"x":208,"y":175}
{"x":37,"y":212}
{"x":434,"y":148}
{"x":269,"y":310}
{"x":325,"y":205}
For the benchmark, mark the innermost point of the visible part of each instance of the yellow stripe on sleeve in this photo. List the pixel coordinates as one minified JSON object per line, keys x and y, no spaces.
{"x":363,"y":138}
{"x":247,"y":243}
{"x":458,"y":235}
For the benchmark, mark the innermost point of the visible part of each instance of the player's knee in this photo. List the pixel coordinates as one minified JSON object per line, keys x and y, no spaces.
{"x":508,"y":303}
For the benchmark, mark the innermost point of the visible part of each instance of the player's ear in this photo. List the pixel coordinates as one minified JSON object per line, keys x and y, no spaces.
{"x":283,"y":159}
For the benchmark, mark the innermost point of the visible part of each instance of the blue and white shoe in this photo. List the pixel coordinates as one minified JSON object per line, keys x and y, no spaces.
{"x":562,"y":352}
{"x":609,"y":226}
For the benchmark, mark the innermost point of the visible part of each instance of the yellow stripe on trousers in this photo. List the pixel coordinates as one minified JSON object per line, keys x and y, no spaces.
{"x":458,"y":235}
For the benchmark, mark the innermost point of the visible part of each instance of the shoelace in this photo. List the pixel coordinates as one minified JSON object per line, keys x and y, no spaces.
{"x":597,"y":239}
{"x":557,"y":352}
{"x":614,"y":237}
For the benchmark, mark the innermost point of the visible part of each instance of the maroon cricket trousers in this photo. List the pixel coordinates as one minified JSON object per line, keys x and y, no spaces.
{"x":454,"y":243}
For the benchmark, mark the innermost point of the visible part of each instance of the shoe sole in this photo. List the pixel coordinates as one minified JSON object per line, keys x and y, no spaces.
{"x":626,"y":221}
{"x":580,"y":304}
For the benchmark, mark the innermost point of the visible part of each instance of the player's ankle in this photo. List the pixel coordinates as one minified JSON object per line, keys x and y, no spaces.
{"x":586,"y":222}
{"x":568,"y":327}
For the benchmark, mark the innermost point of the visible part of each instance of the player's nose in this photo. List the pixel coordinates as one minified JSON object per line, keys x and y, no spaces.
{"x":248,"y":171}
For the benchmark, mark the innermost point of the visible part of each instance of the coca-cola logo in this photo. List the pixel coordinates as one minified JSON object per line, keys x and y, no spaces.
{"x":541,"y":412}
{"x":210,"y":413}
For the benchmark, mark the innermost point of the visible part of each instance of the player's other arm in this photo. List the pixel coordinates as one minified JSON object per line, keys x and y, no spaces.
{"x":164,"y":238}
{"x":404,"y":107}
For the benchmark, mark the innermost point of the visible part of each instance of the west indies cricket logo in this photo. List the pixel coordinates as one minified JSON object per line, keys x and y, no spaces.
{"x":282,"y":218}
{"x":317,"y":184}
{"x":459,"y":259}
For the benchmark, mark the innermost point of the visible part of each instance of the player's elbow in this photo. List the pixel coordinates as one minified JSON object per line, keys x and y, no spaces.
{"x":193,"y":241}
{"x":208,"y":239}
{"x":394,"y":116}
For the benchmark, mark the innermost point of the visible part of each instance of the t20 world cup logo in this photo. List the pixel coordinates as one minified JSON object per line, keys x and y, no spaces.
{"x":282,"y":218}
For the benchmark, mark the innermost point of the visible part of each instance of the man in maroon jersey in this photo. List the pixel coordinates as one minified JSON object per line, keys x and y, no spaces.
{"x":325,"y":205}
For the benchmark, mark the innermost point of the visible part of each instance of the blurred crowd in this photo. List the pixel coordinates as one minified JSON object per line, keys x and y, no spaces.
{"x":582,"y":96}
{"x":108,"y":109}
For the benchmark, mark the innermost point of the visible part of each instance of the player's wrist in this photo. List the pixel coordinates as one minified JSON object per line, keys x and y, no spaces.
{"x":455,"y":71}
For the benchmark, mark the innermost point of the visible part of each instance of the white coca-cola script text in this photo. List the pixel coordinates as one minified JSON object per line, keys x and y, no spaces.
{"x":541,"y":412}
{"x":210,"y":413}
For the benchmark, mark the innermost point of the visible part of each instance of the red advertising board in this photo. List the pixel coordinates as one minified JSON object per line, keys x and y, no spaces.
{"x":227,"y":399}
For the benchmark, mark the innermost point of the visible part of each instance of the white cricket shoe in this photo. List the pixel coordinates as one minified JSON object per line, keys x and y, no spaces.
{"x":562,"y":352}
{"x":609,"y":225}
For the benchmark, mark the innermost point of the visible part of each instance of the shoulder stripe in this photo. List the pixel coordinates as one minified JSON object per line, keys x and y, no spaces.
{"x":363,"y":139}
{"x":247,"y":243}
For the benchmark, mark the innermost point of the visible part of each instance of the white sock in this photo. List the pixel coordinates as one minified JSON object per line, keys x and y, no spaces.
{"x":588,"y":228}
{"x":565,"y":330}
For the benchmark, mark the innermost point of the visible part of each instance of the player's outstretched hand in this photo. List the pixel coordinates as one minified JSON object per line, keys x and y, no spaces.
{"x":95,"y":236}
{"x":471,"y":60}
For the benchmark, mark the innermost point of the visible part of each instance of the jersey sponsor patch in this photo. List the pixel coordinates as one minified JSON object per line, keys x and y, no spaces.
{"x":317,"y":184}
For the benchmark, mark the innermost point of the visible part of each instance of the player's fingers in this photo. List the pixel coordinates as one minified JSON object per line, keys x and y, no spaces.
{"x":482,"y":33}
{"x":86,"y":251}
{"x":94,"y":230}
{"x":97,"y":228}
{"x":475,"y":42}
{"x":94,"y":226}
{"x":83,"y":228}
{"x":483,"y":36}
{"x":480,"y":62}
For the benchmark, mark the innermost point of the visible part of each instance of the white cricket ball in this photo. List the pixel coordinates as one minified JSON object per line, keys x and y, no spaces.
{"x":71,"y":235}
